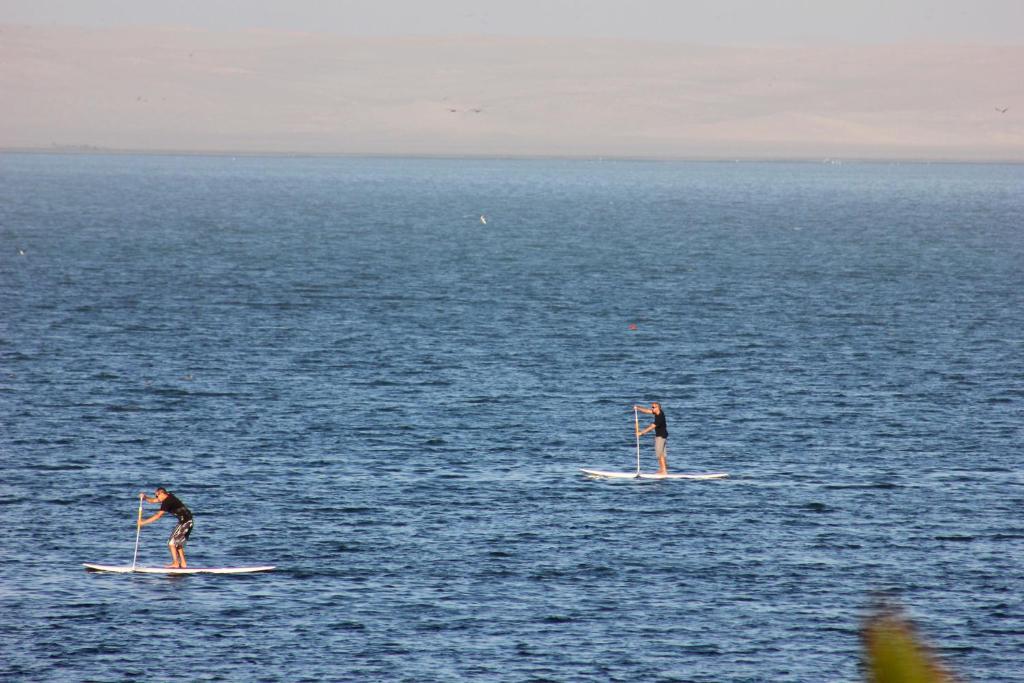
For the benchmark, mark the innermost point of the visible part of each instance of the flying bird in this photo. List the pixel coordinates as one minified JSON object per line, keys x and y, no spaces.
{"x":1002,"y":110}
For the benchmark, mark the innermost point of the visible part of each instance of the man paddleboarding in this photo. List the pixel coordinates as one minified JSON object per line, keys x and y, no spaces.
{"x":179,"y":536}
{"x":660,"y":429}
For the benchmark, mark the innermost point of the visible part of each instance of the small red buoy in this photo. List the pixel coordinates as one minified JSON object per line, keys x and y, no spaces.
{"x":632,"y":326}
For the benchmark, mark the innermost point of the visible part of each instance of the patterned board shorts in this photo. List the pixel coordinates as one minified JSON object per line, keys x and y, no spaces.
{"x":180,"y":534}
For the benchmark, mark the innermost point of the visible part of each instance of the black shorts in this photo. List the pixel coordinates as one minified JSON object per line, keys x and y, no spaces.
{"x":180,"y":534}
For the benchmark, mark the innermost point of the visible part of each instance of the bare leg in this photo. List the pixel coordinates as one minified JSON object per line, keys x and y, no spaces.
{"x":181,"y":556}
{"x":659,"y":447}
{"x":174,"y":556}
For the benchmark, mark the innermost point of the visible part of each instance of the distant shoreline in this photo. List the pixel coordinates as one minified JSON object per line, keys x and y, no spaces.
{"x":89,"y":150}
{"x":277,"y":93}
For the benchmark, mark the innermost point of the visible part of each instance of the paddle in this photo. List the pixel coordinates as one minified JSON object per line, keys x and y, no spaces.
{"x":636,"y":430}
{"x":138,"y":532}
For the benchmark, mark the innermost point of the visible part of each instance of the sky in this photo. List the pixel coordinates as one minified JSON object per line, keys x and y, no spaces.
{"x":908,"y":79}
{"x":696,"y":21}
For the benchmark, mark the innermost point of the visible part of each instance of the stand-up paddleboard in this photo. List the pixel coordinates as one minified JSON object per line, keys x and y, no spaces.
{"x":134,"y":568}
{"x":131,"y":569}
{"x":601,"y":474}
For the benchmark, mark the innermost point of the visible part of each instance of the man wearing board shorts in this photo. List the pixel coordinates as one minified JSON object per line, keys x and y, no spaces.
{"x":179,"y":536}
{"x":660,"y":429}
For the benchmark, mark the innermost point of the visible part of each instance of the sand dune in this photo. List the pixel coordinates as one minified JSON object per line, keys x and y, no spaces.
{"x":184,"y":89}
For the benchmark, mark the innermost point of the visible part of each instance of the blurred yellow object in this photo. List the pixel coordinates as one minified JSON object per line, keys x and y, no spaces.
{"x":894,"y":652}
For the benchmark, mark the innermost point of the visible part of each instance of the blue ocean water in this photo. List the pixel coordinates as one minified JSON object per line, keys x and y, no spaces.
{"x":345,"y":373}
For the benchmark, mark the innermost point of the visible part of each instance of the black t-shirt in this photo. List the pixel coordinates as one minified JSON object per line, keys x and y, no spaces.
{"x":176,"y":507}
{"x":660,"y":428}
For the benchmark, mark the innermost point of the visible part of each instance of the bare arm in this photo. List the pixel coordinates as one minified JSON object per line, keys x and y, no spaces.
{"x":647,"y":429}
{"x":153,"y":518}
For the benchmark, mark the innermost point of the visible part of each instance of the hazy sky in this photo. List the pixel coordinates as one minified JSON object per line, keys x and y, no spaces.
{"x":700,"y":21}
{"x":930,"y":79}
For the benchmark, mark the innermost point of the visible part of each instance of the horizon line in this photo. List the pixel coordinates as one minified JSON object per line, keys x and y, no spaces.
{"x":91,"y":150}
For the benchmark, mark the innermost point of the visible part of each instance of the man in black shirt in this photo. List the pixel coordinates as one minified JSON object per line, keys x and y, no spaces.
{"x":170,"y":503}
{"x":660,"y":429}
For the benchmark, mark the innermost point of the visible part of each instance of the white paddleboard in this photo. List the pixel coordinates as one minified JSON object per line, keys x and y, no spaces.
{"x":652,"y":475}
{"x":128,"y":569}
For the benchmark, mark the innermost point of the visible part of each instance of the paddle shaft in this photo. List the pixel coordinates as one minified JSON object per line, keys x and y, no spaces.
{"x":636,"y":424}
{"x":138,"y":532}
